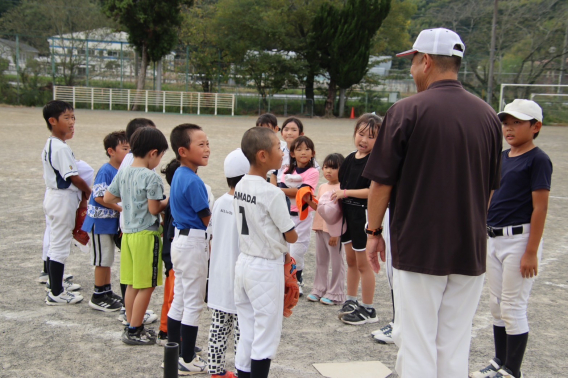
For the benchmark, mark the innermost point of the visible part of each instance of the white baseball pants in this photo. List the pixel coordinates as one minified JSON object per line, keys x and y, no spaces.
{"x":46,"y":239}
{"x":190,"y":254}
{"x":300,"y":247}
{"x":509,"y":291}
{"x":60,"y":207}
{"x":259,"y":297}
{"x":433,"y":323}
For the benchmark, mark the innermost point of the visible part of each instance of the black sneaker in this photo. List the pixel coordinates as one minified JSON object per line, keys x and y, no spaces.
{"x":360,"y":316}
{"x":104,"y":303}
{"x":140,"y":337}
{"x":347,"y":308}
{"x":116,"y":297}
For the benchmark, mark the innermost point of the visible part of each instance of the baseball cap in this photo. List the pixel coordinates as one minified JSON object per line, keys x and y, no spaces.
{"x":525,"y":110}
{"x":236,"y":164}
{"x":438,"y":41}
{"x":303,"y":207}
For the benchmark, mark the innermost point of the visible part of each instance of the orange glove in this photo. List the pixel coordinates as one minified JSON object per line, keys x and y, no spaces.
{"x":80,"y":235}
{"x":291,"y":289}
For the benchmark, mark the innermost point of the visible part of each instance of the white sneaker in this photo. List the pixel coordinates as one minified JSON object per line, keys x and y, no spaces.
{"x":197,"y":366}
{"x":43,"y":278}
{"x":385,"y":335}
{"x":489,"y":371}
{"x":62,"y":299}
{"x":149,"y":317}
{"x":67,"y":286}
{"x":382,"y":330}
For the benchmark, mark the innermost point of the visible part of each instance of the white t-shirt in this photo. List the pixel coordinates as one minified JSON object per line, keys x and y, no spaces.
{"x":58,"y":164}
{"x":262,"y":218}
{"x":224,"y":254}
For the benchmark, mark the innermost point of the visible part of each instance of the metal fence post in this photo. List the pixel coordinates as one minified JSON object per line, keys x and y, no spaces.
{"x":110,"y":100}
{"x":92,"y":98}
{"x":87,"y":65}
{"x":164,"y":101}
{"x":18,"y":66}
{"x":215,"y":103}
{"x":181,"y":103}
{"x":73,"y":97}
{"x":233,"y":106}
{"x":198,"y":102}
{"x":128,"y":100}
{"x":54,"y":92}
{"x":146,"y":102}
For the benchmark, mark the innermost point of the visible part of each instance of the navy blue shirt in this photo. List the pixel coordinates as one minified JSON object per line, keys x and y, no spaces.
{"x":188,"y":200}
{"x":512,"y":204}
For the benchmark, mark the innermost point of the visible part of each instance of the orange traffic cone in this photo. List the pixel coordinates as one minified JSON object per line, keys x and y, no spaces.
{"x":352,"y":113}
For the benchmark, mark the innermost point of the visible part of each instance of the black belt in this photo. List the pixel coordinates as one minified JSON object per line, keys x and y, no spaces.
{"x":294,"y":213}
{"x":494,"y":232}
{"x":185,"y":232}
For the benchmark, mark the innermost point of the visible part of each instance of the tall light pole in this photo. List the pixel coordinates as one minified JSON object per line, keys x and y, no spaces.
{"x":492,"y":54}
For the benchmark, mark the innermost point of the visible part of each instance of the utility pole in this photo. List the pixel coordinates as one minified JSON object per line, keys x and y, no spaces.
{"x":492,"y":54}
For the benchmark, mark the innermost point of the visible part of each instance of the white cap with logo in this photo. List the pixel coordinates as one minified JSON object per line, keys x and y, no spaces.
{"x":438,"y":41}
{"x":525,"y":110}
{"x":236,"y":164}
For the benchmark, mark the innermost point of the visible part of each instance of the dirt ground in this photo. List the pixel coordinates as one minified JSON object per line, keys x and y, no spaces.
{"x":41,"y":341}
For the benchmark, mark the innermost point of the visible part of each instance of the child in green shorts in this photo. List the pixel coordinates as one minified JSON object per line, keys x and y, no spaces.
{"x":141,"y":192}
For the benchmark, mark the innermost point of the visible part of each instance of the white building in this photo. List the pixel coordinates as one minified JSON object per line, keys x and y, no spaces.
{"x":9,"y":50}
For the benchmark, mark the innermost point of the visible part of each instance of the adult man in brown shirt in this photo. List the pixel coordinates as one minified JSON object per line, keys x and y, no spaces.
{"x":436,"y":160}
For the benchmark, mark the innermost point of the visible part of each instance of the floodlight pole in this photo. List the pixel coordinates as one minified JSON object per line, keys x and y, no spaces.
{"x":492,"y":54}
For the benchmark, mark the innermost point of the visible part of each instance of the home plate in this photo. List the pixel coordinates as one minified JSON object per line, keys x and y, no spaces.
{"x":360,"y":369}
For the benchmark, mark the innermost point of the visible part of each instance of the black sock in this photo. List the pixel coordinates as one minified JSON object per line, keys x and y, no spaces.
{"x":393,"y":312}
{"x":174,"y":327}
{"x":108,"y":288}
{"x":188,"y":337}
{"x":260,"y":368}
{"x":243,"y":374}
{"x":99,"y":291}
{"x":46,"y":262}
{"x":56,"y":277}
{"x":516,"y":346}
{"x":123,"y":291}
{"x":134,"y":329}
{"x":299,"y":276}
{"x":45,"y":266}
{"x":500,"y":338}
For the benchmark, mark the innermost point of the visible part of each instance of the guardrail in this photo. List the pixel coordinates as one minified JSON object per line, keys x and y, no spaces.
{"x":129,"y":97}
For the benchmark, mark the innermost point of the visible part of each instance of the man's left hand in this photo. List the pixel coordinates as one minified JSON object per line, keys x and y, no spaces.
{"x":375,"y":246}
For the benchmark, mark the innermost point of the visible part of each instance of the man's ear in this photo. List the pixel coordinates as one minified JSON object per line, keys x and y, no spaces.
{"x":537,"y":126}
{"x":427,"y":62}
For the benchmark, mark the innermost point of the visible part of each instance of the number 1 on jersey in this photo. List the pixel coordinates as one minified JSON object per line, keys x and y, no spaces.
{"x":244,"y":227}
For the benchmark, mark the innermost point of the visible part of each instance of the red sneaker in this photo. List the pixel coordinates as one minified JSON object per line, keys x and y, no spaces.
{"x":228,"y":374}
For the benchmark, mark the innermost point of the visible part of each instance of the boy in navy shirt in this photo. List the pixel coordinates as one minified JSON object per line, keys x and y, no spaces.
{"x":190,"y":248}
{"x":515,"y":224}
{"x":102,"y":224}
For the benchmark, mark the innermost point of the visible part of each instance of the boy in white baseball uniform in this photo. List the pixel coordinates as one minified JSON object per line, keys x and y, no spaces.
{"x":64,"y":191}
{"x":224,"y":254}
{"x":190,"y":248}
{"x":515,"y":223}
{"x":264,"y":226}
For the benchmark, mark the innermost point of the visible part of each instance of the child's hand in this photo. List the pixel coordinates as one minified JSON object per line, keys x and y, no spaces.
{"x":333,"y":241}
{"x":529,"y":265}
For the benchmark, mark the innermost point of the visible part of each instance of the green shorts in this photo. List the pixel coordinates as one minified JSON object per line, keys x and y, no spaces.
{"x":141,"y":259}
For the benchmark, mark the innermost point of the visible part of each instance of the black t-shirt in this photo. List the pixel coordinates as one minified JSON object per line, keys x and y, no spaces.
{"x":521,"y":175}
{"x":440,"y":149}
{"x":351,"y":177}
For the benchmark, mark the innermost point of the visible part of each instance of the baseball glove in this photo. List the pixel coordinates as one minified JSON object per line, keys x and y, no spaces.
{"x":80,"y":235}
{"x":291,"y":289}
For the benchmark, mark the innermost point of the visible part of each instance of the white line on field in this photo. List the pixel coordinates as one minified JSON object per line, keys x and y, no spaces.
{"x":556,"y":197}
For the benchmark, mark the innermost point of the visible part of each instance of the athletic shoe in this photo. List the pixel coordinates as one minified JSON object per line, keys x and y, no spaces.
{"x":197,"y":366}
{"x":149,"y":317}
{"x":327,"y":301}
{"x":162,"y":338}
{"x":43,"y":277}
{"x":348,"y":307}
{"x":140,"y":337}
{"x":122,"y":316}
{"x":313,"y":298}
{"x":506,"y":373}
{"x":62,"y":299}
{"x":489,"y":371}
{"x":384,"y":335}
{"x":360,"y":316}
{"x":104,"y":303}
{"x":228,"y":374}
{"x":116,"y":297}
{"x":197,"y":350}
{"x":67,"y":286}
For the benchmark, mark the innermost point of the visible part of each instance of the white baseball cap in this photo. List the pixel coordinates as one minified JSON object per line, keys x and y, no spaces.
{"x":525,"y":110}
{"x":236,"y":164}
{"x":438,"y":41}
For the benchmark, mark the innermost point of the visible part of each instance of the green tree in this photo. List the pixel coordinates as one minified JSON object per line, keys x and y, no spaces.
{"x":342,"y":39}
{"x":152,"y":27}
